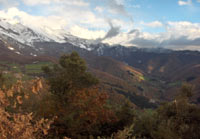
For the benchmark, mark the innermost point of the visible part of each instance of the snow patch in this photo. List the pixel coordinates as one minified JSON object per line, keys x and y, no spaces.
{"x":11,"y":48}
{"x":18,"y":53}
{"x":33,"y":54}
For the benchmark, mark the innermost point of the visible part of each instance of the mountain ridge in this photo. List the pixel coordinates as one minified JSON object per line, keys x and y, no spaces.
{"x":162,"y":68}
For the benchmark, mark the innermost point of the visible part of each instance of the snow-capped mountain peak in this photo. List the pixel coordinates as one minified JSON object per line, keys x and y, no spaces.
{"x":10,"y":29}
{"x":20,"y":33}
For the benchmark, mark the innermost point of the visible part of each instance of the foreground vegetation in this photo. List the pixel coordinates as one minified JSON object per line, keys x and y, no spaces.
{"x":68,"y":102}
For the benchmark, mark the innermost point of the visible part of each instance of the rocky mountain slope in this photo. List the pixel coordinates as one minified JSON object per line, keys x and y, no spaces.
{"x":151,"y":72}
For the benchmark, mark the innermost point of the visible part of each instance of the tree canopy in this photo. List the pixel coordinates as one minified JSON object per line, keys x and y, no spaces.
{"x":69,"y":75}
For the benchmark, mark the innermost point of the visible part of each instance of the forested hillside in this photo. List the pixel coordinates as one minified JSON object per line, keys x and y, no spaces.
{"x":69,"y":102}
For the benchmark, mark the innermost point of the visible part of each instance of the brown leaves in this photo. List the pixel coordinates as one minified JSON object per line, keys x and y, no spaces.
{"x":19,"y":99}
{"x":3,"y":100}
{"x":36,"y":85}
{"x":17,"y":125}
{"x":92,"y":105}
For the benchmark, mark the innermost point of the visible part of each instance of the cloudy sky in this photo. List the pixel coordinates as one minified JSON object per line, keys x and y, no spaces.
{"x":144,"y":23}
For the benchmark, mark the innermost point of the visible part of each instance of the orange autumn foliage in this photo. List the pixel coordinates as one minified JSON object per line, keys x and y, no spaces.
{"x":87,"y":110}
{"x":92,"y":106}
{"x":16,"y":124}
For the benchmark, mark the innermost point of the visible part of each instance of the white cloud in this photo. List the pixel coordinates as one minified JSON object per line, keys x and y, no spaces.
{"x":182,"y":3}
{"x":185,"y":28}
{"x":53,"y":22}
{"x":47,"y":2}
{"x":71,"y":15}
{"x":117,"y":7}
{"x":85,"y":33}
{"x":154,"y":24}
{"x":178,"y":35}
{"x":80,"y":3}
{"x":36,"y":2}
{"x":78,"y":18}
{"x":8,"y":3}
{"x":99,"y":9}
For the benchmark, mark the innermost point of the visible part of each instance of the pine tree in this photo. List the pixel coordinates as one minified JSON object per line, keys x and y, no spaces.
{"x":69,"y":76}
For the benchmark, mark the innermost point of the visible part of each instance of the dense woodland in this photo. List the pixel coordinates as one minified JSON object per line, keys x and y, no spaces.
{"x":68,"y":103}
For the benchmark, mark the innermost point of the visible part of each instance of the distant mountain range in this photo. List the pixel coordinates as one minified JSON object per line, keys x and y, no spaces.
{"x":154,"y":73}
{"x":23,"y":37}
